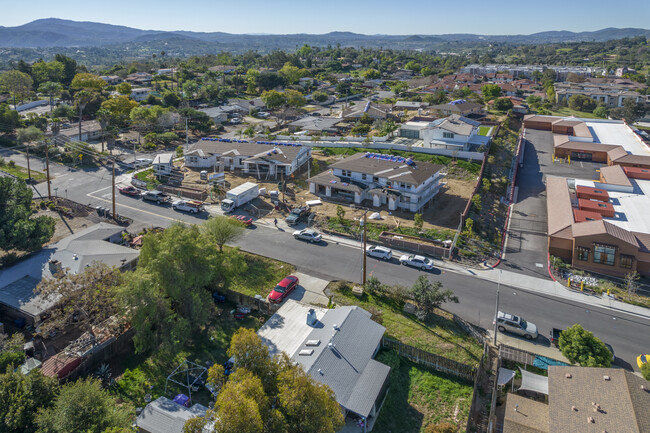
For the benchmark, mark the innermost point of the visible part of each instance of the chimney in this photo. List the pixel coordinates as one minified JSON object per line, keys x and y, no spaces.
{"x":55,"y":267}
{"x":311,"y":317}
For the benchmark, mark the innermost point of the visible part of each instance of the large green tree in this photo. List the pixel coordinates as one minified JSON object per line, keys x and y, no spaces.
{"x":83,"y":406}
{"x":47,"y":71}
{"x":273,"y":99}
{"x":17,"y":84}
{"x":50,"y":89}
{"x":21,"y":397}
{"x":429,"y":296}
{"x":582,"y":347}
{"x":631,"y":111}
{"x":582,"y":103}
{"x":17,"y":229}
{"x":490,"y":91}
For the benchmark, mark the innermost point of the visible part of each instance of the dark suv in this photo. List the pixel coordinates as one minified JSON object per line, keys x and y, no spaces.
{"x":297,"y":214}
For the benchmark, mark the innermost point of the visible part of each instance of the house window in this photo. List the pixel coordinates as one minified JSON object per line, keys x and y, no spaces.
{"x":626,"y":261}
{"x":582,"y":253}
{"x":346,"y":173}
{"x":389,"y":184}
{"x":363,"y":176}
{"x":406,"y":199}
{"x":447,"y":135}
{"x":597,"y":191}
{"x":604,"y":254}
{"x":602,"y":205}
{"x":375,"y":179}
{"x":403,"y":185}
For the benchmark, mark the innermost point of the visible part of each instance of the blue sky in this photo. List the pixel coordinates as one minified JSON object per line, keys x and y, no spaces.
{"x":359,"y":16}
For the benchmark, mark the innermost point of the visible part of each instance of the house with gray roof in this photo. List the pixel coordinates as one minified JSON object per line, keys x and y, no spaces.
{"x":263,"y":159}
{"x":454,"y":132}
{"x":166,"y":416}
{"x":336,"y":347}
{"x":382,"y":179}
{"x":314,"y":125}
{"x":72,"y":254}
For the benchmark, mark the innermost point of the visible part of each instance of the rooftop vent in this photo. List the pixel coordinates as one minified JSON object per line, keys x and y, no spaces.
{"x":336,"y":328}
{"x":306,"y":352}
{"x":644,"y":388}
{"x":590,"y":420}
{"x":573,"y":408}
{"x":568,"y":376}
{"x":606,"y":377}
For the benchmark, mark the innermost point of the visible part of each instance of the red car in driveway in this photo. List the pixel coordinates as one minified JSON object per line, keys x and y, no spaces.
{"x":130,"y":190}
{"x":283,"y":289}
{"x":247,"y":221}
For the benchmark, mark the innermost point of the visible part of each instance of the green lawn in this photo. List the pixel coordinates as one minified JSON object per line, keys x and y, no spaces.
{"x":439,"y":334}
{"x":483,"y":130}
{"x":21,"y":172}
{"x":148,"y":176}
{"x":566,"y":111}
{"x":418,"y":397}
{"x":148,"y":373}
{"x":262,"y":275}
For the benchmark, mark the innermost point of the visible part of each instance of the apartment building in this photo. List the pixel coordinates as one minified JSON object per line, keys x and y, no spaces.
{"x":382,"y":180}
{"x":609,"y":94}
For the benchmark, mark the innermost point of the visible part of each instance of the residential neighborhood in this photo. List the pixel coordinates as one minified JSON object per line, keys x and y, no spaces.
{"x":213,"y":232}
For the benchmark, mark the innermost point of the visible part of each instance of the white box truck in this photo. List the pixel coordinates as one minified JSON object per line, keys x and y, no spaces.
{"x":239,"y":196}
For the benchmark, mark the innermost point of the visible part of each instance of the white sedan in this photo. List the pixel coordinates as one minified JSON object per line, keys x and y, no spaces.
{"x":379,"y":252}
{"x":420,"y":262}
{"x":308,"y":235}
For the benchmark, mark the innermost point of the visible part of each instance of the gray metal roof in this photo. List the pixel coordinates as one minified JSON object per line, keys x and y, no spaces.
{"x":365,"y":391}
{"x":75,"y":252}
{"x":311,"y":123}
{"x":165,"y":416}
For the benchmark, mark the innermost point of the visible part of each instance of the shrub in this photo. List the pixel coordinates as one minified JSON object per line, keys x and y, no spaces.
{"x":12,"y":164}
{"x":645,"y":370}
{"x":443,"y":427}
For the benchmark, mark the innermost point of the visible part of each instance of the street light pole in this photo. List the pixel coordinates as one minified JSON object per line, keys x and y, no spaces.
{"x":496,"y":309}
{"x":363,"y":251}
{"x":113,"y":188}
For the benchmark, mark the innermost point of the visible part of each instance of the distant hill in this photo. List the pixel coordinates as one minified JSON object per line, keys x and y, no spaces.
{"x":54,"y":32}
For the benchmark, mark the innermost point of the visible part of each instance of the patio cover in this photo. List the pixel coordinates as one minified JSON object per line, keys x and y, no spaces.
{"x":533,"y":382}
{"x":505,"y":376}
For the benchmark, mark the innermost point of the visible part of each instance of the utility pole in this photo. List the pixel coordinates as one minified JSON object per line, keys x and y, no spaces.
{"x":113,"y":188}
{"x":187,"y":136}
{"x":134,"y":155}
{"x":496,"y":310}
{"x":47,"y":167}
{"x":365,"y":243}
{"x":29,"y":172}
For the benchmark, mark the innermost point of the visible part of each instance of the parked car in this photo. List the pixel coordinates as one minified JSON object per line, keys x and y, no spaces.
{"x":191,"y":206}
{"x":516,"y":325}
{"x":308,"y":235}
{"x":379,"y":252}
{"x":297,"y":214}
{"x":246,"y":220}
{"x":141,"y":162}
{"x":156,"y":196}
{"x":235,"y":121}
{"x":263,"y":115}
{"x":283,"y":288}
{"x":642,"y":359}
{"x":420,"y":262}
{"x":130,"y":190}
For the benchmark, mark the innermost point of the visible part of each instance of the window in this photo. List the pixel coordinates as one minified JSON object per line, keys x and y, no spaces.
{"x":363,"y":176}
{"x":582,"y":253}
{"x":346,"y":173}
{"x":626,"y":261}
{"x":447,"y":135}
{"x":389,"y":184}
{"x":602,"y":205}
{"x":604,"y":254}
{"x":597,"y":191}
{"x":375,"y":179}
{"x":406,"y":199}
{"x":403,"y":185}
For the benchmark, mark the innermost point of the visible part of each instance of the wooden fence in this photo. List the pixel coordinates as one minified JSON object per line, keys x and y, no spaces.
{"x":437,"y":362}
{"x":261,"y":305}
{"x":412,"y":244}
{"x":191,"y":193}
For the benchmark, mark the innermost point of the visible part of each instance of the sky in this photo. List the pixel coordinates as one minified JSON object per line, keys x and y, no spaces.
{"x":490,"y":17}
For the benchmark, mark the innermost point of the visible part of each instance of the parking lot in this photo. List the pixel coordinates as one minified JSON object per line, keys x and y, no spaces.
{"x":526,"y":248}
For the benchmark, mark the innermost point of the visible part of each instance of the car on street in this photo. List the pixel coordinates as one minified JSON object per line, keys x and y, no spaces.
{"x":420,"y":262}
{"x":191,"y":206}
{"x":246,"y":220}
{"x":130,"y":190}
{"x":644,"y":358}
{"x":235,"y":121}
{"x":141,"y":162}
{"x":308,"y":235}
{"x":516,"y":325}
{"x":283,"y":288}
{"x":263,"y":115}
{"x":379,"y":252}
{"x":158,"y":197}
{"x":297,"y":214}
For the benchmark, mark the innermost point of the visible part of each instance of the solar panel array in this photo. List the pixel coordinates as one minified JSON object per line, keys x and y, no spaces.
{"x":392,"y":158}
{"x":271,"y":143}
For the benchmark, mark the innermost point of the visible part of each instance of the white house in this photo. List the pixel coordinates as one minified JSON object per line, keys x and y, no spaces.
{"x":384,"y":179}
{"x":139,"y":94}
{"x":454,"y":132}
{"x":90,"y":130}
{"x":262,"y":159}
{"x":163,"y":164}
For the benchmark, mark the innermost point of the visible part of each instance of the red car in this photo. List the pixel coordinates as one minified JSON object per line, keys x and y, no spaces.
{"x":247,"y":221}
{"x":130,"y":190}
{"x":283,"y":289}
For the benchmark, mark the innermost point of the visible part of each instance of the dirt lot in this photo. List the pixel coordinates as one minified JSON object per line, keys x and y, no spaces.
{"x":65,"y":226}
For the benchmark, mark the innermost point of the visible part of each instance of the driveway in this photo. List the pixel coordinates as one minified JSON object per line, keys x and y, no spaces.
{"x":311,"y":290}
{"x":526,"y":249}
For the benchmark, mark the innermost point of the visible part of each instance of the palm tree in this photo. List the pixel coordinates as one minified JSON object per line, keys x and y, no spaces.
{"x":83,"y":97}
{"x":103,"y":116}
{"x":50,"y":89}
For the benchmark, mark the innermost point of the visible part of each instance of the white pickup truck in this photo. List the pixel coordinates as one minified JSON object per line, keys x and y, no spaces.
{"x":191,"y":206}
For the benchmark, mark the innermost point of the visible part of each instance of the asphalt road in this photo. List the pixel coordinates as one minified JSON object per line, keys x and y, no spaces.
{"x":627,"y":334}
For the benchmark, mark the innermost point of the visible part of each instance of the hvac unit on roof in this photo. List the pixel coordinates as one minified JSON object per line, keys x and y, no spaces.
{"x":311,"y":317}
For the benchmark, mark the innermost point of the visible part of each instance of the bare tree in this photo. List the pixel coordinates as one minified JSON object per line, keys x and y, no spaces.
{"x":631,"y":284}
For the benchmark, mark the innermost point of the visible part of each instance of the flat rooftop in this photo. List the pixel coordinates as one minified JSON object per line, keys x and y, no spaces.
{"x":620,"y":134}
{"x":631,"y":209}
